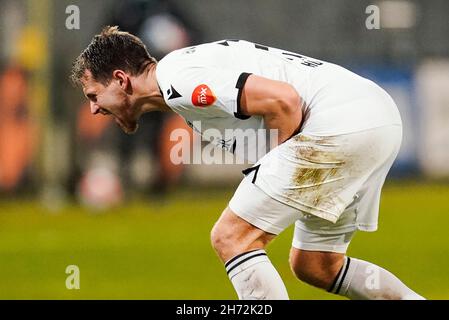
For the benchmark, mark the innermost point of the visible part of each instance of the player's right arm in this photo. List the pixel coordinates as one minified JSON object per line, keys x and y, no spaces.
{"x":211,"y":89}
{"x":278,"y":102}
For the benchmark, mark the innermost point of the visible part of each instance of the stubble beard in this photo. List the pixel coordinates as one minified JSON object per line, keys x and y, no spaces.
{"x":129,"y":125}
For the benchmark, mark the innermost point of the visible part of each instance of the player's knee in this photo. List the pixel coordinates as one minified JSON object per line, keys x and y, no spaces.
{"x":232,"y":235}
{"x":221,"y":238}
{"x":305,"y":273}
{"x":315,"y":268}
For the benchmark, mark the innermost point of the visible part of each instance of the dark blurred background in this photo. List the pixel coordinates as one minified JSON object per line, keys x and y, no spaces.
{"x":75,"y":190}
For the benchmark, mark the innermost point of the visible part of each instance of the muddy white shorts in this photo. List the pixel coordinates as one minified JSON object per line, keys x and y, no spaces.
{"x":330,"y":186}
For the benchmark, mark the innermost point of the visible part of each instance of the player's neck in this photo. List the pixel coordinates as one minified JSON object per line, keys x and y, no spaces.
{"x":149,"y":97}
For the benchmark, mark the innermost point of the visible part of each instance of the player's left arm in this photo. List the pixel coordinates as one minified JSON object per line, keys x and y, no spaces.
{"x":278,"y":102}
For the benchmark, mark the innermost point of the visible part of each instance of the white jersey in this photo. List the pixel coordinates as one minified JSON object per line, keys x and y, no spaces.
{"x":203,"y":83}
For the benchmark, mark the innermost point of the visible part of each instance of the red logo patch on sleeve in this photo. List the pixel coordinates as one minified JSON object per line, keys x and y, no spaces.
{"x":203,"y":96}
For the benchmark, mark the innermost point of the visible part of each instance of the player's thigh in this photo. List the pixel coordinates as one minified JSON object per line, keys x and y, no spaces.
{"x":317,"y":234}
{"x":259,"y":209}
{"x":319,"y":247}
{"x":252,"y":219}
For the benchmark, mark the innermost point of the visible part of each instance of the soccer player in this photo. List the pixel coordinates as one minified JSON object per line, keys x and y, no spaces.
{"x":337,"y":137}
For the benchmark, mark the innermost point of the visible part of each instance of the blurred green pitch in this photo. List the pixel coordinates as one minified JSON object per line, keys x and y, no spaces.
{"x":162,"y":251}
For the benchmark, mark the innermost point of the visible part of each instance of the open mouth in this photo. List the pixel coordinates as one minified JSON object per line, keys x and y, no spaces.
{"x":104,"y":112}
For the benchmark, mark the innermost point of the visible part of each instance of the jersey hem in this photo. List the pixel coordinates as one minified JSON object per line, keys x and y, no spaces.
{"x":257,"y":222}
{"x":320,"y":214}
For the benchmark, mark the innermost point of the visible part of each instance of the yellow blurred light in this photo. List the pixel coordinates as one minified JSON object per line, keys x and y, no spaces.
{"x":32,"y":51}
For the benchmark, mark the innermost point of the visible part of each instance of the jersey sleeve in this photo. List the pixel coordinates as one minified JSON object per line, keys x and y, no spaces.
{"x":213,"y":90}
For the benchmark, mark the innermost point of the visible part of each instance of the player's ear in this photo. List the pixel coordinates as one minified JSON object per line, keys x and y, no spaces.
{"x":121,"y":77}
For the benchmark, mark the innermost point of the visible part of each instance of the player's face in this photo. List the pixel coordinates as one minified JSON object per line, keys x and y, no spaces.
{"x":111,"y":100}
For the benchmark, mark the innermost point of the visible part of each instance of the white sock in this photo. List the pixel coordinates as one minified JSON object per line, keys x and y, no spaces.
{"x":362,"y":280}
{"x":254,"y":277}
